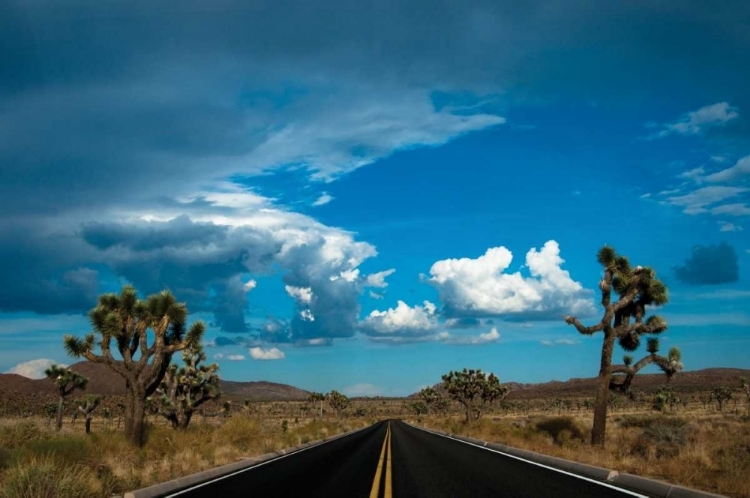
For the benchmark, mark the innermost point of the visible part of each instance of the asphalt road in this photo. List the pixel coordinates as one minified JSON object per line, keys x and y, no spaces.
{"x":392,"y":459}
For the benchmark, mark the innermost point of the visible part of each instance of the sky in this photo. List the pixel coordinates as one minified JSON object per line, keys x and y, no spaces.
{"x":362,"y":196}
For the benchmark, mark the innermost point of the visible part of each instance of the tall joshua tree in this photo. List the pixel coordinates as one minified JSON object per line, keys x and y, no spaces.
{"x":66,"y":382}
{"x":430,"y":397}
{"x":134,"y":323}
{"x":624,"y":321}
{"x":184,"y":389}
{"x":87,"y":407}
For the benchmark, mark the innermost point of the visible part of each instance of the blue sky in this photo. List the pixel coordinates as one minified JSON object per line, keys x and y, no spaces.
{"x":363,"y":197}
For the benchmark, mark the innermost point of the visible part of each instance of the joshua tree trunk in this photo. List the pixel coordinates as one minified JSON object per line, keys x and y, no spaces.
{"x":602,"y":392}
{"x":60,"y":408}
{"x":88,"y":424}
{"x":185,"y":420}
{"x":137,"y":410}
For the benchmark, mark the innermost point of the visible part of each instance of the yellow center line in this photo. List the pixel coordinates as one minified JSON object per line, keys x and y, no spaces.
{"x":388,"y":484}
{"x":375,"y":491}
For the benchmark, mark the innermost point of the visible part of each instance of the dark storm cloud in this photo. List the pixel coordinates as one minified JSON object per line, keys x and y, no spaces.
{"x":116,"y":109}
{"x":708,"y":265}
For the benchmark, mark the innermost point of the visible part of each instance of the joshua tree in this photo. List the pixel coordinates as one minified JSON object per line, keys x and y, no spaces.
{"x":337,"y":401}
{"x":87,"y":407}
{"x":317,"y":398}
{"x":665,"y":397}
{"x":50,"y":412}
{"x":721,"y":395}
{"x":127,"y":320}
{"x":474,"y":389}
{"x":624,"y":321}
{"x":186,"y":388}
{"x":745,"y":385}
{"x":66,"y":382}
{"x":430,"y":397}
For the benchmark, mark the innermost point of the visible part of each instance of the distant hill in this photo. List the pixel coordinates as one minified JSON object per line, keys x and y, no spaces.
{"x":104,"y":381}
{"x":685,"y":382}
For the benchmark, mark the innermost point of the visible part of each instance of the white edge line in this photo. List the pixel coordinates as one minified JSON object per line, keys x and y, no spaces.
{"x":191,"y":488}
{"x":606,"y":485}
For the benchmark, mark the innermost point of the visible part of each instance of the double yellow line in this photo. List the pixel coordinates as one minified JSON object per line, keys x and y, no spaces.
{"x":388,"y":490}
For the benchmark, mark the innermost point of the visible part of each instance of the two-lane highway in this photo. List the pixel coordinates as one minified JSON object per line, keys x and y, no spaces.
{"x":393,"y":459}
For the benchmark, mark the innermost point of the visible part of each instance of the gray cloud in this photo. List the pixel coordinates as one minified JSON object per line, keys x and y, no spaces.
{"x":714,"y":264}
{"x":115,"y":113}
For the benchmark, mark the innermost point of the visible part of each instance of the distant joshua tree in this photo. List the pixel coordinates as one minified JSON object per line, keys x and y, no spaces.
{"x":132,"y":323}
{"x":745,"y":385}
{"x":66,"y":382}
{"x":338,"y":402}
{"x":186,"y":388}
{"x":87,"y":407}
{"x":721,"y":395}
{"x":624,"y":321}
{"x":474,"y":389}
{"x":664,"y":398}
{"x":317,"y":398}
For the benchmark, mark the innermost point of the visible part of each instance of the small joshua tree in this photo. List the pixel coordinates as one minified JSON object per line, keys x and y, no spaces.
{"x":721,"y":395}
{"x":317,"y":398}
{"x":50,"y":412}
{"x":745,"y":385}
{"x":186,"y":388}
{"x":132,"y":323}
{"x":665,"y":397}
{"x":87,"y":407}
{"x":624,"y":321}
{"x":66,"y":381}
{"x":474,"y":389}
{"x":338,"y":402}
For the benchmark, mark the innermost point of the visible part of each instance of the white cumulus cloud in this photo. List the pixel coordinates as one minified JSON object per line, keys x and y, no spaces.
{"x":401,"y":320}
{"x":480,"y":287}
{"x":34,"y":369}
{"x":739,"y":170}
{"x":266,"y":354}
{"x":301,"y":294}
{"x":378,"y":279}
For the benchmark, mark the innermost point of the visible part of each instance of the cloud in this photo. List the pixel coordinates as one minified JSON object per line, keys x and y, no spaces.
{"x":323,"y":200}
{"x":697,"y":202}
{"x":559,"y":342}
{"x":696,"y":122}
{"x":375,"y":295}
{"x":472,"y":340}
{"x":362,"y":390}
{"x":378,"y":279}
{"x":266,"y":354}
{"x":301,"y":294}
{"x":725,"y":226}
{"x":34,"y":369}
{"x":481,"y":288}
{"x":229,"y":357}
{"x":695,"y":174}
{"x":709,"y":265}
{"x":736,"y":209}
{"x":402,"y":320}
{"x":740,"y":169}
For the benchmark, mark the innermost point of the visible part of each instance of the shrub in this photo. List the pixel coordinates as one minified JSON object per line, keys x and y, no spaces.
{"x":662,"y":439}
{"x":562,"y":429}
{"x":43,"y":477}
{"x":19,"y":434}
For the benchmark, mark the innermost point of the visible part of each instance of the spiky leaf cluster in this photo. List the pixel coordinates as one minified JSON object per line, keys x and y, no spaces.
{"x":66,"y":381}
{"x":89,"y":404}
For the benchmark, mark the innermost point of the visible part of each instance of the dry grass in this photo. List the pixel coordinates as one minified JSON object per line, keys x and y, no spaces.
{"x":703,"y":450}
{"x":36,"y":462}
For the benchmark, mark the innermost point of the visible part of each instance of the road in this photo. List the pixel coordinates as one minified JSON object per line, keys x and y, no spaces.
{"x":392,"y":459}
